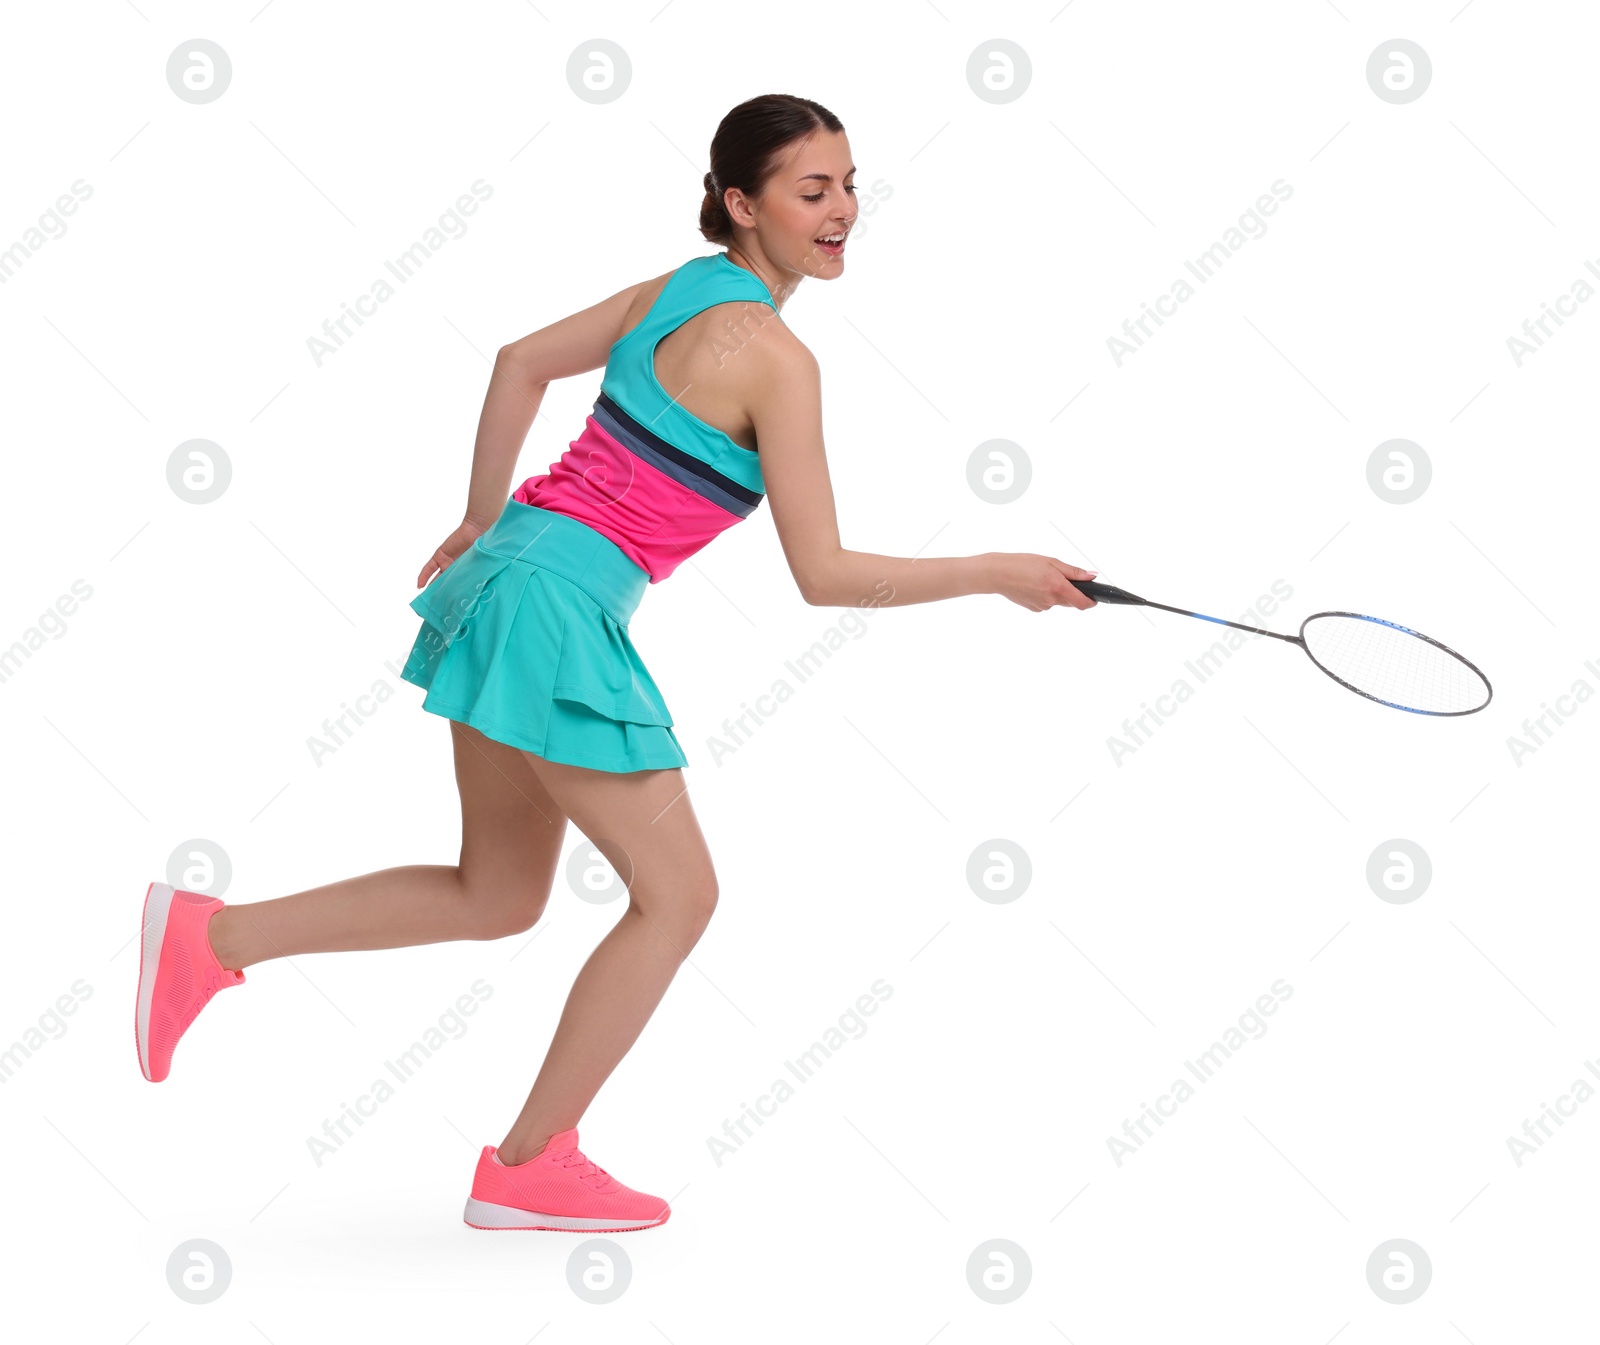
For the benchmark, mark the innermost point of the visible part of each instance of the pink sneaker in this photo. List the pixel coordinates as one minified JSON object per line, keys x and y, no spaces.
{"x":557,"y":1189}
{"x":178,"y":973}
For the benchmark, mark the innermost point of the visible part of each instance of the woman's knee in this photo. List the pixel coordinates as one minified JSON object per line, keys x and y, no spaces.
{"x":702,"y":905}
{"x":683,"y":914}
{"x":497,"y":910}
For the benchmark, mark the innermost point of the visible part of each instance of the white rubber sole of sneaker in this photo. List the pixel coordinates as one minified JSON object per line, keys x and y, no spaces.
{"x":157,"y":903}
{"x":482,"y":1214}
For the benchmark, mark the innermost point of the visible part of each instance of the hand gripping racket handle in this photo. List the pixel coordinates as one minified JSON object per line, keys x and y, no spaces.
{"x":1106,"y":592}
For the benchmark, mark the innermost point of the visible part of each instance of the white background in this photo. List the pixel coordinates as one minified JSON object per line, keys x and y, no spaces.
{"x":1007,"y":242}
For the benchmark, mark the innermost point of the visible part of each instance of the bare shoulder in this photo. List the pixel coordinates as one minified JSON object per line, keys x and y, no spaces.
{"x":780,"y":391}
{"x":775,"y":360}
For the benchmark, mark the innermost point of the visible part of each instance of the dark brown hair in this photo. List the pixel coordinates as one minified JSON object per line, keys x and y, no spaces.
{"x":748,"y":147}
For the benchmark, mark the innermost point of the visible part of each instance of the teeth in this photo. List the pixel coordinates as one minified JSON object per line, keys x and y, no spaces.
{"x":832,"y":238}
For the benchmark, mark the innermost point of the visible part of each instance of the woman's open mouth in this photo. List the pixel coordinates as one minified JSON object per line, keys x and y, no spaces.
{"x":831,"y":245}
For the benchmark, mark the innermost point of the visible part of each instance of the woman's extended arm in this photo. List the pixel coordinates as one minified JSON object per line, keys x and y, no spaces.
{"x":785,"y":402}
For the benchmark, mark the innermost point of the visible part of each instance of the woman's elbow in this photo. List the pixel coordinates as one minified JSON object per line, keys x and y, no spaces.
{"x":515,"y":361}
{"x":817,"y":590}
{"x":820,"y":580}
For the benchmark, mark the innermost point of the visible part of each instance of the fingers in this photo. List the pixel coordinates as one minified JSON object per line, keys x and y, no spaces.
{"x":448,"y":550}
{"x":1042,"y":583}
{"x":1071,"y":597}
{"x":433,"y":567}
{"x":1068,"y":595}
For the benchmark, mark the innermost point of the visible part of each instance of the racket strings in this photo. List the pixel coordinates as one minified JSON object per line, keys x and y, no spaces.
{"x":1394,"y":665}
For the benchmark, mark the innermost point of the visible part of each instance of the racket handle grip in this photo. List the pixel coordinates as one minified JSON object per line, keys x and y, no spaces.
{"x":1091,"y":588}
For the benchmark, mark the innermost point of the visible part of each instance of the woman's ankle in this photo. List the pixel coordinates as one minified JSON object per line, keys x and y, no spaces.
{"x":218,"y":934}
{"x":516,"y":1156}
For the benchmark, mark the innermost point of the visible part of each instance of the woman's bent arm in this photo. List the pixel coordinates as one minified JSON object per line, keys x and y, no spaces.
{"x":523,"y":369}
{"x":509,"y":407}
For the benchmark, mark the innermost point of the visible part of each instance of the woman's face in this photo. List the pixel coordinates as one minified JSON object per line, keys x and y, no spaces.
{"x":810,"y":197}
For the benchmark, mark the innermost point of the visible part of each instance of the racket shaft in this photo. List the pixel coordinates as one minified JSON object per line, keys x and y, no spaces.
{"x":1093,"y":588}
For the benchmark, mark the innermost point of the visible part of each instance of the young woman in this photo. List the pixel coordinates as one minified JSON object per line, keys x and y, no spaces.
{"x":524,"y":646}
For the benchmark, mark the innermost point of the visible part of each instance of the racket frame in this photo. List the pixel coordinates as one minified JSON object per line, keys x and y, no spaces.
{"x":1395,"y":625}
{"x":1110,"y":593}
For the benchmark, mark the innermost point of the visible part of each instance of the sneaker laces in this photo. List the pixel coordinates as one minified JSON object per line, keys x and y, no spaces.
{"x":587,"y":1167}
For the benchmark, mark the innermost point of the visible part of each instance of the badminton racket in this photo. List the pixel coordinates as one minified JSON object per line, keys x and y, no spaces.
{"x":1391,"y":664}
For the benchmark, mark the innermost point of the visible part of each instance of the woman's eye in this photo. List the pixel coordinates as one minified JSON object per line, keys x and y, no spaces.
{"x":818,"y":196}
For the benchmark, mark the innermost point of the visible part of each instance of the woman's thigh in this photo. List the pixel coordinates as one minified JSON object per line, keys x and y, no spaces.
{"x":645,"y":826}
{"x":511,"y":832}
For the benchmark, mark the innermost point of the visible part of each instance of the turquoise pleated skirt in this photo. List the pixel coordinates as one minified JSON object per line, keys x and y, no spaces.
{"x":525,"y":637}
